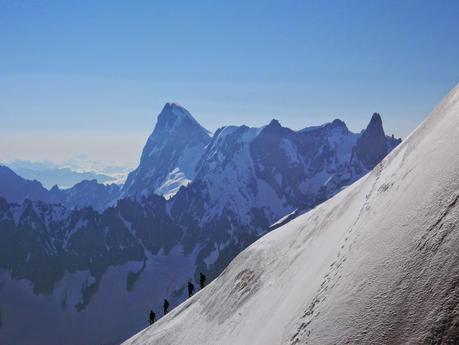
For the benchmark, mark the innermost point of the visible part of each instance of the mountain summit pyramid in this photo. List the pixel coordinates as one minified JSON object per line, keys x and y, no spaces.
{"x":170,"y":155}
{"x":372,"y":147}
{"x":376,"y":264}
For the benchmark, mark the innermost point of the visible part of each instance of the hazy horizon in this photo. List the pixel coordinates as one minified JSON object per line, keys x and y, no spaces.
{"x":102,"y":148}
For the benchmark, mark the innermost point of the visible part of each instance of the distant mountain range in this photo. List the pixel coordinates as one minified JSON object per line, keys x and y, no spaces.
{"x":86,"y":193}
{"x":49,"y":174}
{"x":191,"y":205}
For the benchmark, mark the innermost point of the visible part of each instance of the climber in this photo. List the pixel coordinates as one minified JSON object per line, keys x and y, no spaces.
{"x":152,"y":317}
{"x":202,"y":280}
{"x":166,"y":306}
{"x":190,"y":289}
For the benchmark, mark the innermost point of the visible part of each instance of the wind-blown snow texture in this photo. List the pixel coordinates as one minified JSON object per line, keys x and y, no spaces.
{"x":376,"y":264}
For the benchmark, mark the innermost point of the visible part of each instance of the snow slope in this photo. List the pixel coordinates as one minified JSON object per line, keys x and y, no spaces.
{"x":376,"y":264}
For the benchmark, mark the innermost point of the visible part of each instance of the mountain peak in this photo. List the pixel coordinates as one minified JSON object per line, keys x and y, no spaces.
{"x":170,"y":155}
{"x":375,"y":125}
{"x":175,"y":108}
{"x":174,"y":116}
{"x":173,"y":104}
{"x":372,"y":145}
{"x":274,"y":123}
{"x":337,"y":123}
{"x":274,"y":127}
{"x":376,"y":117}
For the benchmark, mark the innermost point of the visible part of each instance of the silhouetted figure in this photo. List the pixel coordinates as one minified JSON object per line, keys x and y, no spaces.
{"x":190,"y":289}
{"x":166,"y":306}
{"x":152,"y":317}
{"x":202,"y":280}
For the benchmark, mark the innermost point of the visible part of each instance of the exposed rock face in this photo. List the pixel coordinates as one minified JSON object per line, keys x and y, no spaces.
{"x":373,"y":145}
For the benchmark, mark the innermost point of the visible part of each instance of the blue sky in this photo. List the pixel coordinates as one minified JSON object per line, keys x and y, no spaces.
{"x":89,"y":77}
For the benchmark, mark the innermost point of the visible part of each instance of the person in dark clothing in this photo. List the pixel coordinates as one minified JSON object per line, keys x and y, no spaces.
{"x":166,"y":306}
{"x":202,"y":280}
{"x":190,"y":289}
{"x":152,"y":317}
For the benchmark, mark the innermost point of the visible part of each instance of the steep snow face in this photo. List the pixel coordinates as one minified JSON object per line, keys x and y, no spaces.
{"x":170,"y":155}
{"x":227,"y":173}
{"x":376,"y":264}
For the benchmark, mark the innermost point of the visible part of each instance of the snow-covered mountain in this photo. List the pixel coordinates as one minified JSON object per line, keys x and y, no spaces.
{"x":87,"y":193}
{"x":70,"y":263}
{"x":251,"y":177}
{"x":170,"y":155}
{"x":376,"y":264}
